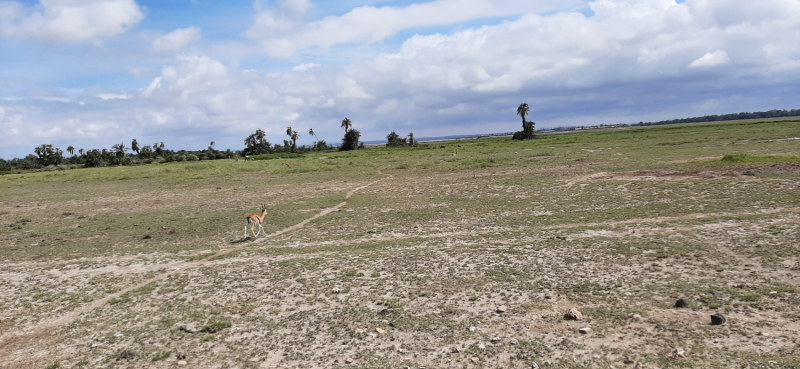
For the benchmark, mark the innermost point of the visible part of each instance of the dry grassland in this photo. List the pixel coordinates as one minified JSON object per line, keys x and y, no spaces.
{"x":392,"y":258}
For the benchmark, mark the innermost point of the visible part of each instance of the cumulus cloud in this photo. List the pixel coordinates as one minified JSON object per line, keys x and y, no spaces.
{"x":633,"y":60}
{"x":177,"y":39}
{"x":373,"y":24}
{"x":710,"y":59}
{"x":55,"y":21}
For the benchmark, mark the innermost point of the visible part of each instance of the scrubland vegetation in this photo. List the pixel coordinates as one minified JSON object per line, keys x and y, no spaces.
{"x":462,"y":256}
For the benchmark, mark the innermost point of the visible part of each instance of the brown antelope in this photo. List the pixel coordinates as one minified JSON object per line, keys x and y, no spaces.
{"x":256,"y":220}
{"x":287,"y":165}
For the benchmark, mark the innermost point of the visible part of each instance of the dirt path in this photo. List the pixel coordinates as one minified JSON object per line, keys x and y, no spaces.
{"x":12,"y":340}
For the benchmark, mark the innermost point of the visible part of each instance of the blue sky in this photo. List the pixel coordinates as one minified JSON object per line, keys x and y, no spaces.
{"x":92,"y":73}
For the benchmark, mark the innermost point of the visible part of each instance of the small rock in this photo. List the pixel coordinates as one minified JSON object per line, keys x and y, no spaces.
{"x":717,"y":319}
{"x":679,"y":352}
{"x":481,"y":347}
{"x":514,"y":342}
{"x":548,"y":297}
{"x":337,"y":290}
{"x":773,"y":292}
{"x":401,"y":350}
{"x":573,"y":314}
{"x":681,"y":303}
{"x":496,"y":339}
{"x":636,"y":317}
{"x":348,"y":360}
{"x":765,"y":334}
{"x":718,"y":293}
{"x":455,"y":350}
{"x":385,"y":322}
{"x":380,"y":331}
{"x":472,"y":329}
{"x":94,"y":345}
{"x":596,"y":356}
{"x":585,"y":330}
{"x":182,"y":362}
{"x":475,"y":360}
{"x":502,"y":309}
{"x":361,"y":331}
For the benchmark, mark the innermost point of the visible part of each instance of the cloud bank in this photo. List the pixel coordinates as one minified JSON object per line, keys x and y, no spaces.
{"x":630,"y":60}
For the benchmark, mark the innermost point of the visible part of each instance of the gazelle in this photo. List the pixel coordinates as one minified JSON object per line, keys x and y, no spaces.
{"x":255,"y":219}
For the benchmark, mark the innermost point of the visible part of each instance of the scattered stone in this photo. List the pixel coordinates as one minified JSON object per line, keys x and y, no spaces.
{"x":361,"y":331}
{"x":636,"y":317}
{"x":765,"y":334}
{"x":502,"y":309}
{"x":585,"y":330}
{"x":596,"y":356}
{"x":514,"y":341}
{"x":475,"y":360}
{"x":627,"y":360}
{"x":679,"y":352}
{"x":718,"y":293}
{"x":180,"y":357}
{"x":717,"y":319}
{"x":455,"y":350}
{"x":773,"y":292}
{"x":548,"y":297}
{"x":337,"y":290}
{"x":472,"y":329}
{"x":496,"y":339}
{"x":385,"y":322}
{"x":94,"y":345}
{"x":681,"y":303}
{"x":481,"y":347}
{"x":384,"y":312}
{"x":392,"y":325}
{"x":182,"y":362}
{"x":380,"y":331}
{"x":401,"y":350}
{"x":573,"y":314}
{"x":348,"y":360}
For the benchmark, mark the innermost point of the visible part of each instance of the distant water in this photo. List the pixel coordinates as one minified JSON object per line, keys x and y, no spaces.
{"x":440,"y":138}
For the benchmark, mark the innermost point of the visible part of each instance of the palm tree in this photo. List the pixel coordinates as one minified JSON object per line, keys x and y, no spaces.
{"x":81,"y":151}
{"x":522,"y":111}
{"x":411,"y":139}
{"x":346,"y":124}
{"x":71,"y":150}
{"x":293,"y":135}
{"x":250,"y":141}
{"x":119,"y":149}
{"x":311,"y":132}
{"x":135,"y":146}
{"x":260,"y":136}
{"x":162,"y":145}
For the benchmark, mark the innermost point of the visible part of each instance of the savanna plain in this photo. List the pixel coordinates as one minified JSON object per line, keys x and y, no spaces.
{"x":466,"y":256}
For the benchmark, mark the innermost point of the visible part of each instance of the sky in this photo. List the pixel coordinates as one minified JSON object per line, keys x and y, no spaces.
{"x":94,"y":73}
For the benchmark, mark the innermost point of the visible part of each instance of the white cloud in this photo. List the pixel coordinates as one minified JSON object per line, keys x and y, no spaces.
{"x":711,"y":59}
{"x":304,"y":66}
{"x":629,"y":62}
{"x":372,"y":24}
{"x":123,"y":96}
{"x":177,"y":39}
{"x":54,"y":21}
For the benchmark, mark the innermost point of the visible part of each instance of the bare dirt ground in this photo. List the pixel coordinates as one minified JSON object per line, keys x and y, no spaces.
{"x":471,"y":269}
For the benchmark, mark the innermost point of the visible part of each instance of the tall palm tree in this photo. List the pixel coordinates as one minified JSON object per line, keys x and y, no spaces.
{"x":293,"y":135}
{"x":162,"y":146}
{"x":411,"y":139}
{"x":260,"y":136}
{"x":81,"y":151}
{"x":71,"y":150}
{"x":346,"y":124}
{"x":522,"y":111}
{"x":135,"y":146}
{"x":311,"y":132}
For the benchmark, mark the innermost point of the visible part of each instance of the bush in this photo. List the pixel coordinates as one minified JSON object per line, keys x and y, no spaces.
{"x":350,"y":140}
{"x":192,"y":157}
